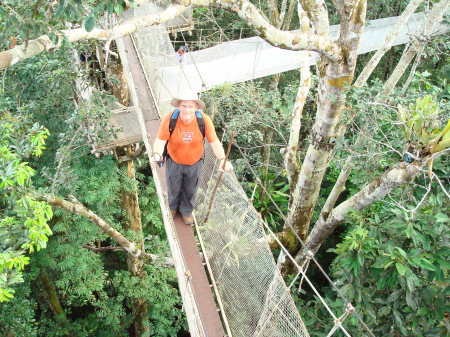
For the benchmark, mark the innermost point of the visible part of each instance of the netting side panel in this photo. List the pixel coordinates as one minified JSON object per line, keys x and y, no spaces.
{"x":155,"y":51}
{"x":157,"y":54}
{"x":255,"y":298}
{"x":251,"y":58}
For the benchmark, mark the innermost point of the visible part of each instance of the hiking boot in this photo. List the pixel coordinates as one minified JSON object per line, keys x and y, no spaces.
{"x":174,"y":212}
{"x":188,"y":219}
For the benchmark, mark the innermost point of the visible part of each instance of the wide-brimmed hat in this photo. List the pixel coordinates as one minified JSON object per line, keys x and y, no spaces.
{"x":188,"y":95}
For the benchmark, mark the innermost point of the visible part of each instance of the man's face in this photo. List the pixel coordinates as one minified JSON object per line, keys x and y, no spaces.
{"x":187,"y":111}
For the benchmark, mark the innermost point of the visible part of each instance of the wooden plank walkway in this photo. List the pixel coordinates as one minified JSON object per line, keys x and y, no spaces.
{"x":209,"y":315}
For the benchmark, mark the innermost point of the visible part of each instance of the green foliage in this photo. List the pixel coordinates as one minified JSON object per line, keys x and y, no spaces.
{"x":421,"y":124}
{"x":278,"y":189}
{"x":23,"y":219}
{"x":95,"y":290}
{"x":23,"y":20}
{"x":392,"y":264}
{"x":150,"y":208}
{"x":17,"y":315}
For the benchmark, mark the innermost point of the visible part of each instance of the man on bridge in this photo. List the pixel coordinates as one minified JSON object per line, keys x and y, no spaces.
{"x":180,"y":139}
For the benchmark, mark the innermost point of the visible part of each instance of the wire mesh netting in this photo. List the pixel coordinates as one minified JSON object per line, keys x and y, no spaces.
{"x":256,"y":300}
{"x":157,"y":54}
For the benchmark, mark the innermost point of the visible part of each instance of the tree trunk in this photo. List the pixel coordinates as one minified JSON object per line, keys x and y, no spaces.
{"x":402,"y":173}
{"x":52,"y":297}
{"x":130,"y":204}
{"x":332,"y":84}
{"x":334,"y":81}
{"x":290,"y":158}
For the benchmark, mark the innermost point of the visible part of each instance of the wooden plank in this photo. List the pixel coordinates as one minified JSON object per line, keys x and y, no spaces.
{"x":206,"y":310}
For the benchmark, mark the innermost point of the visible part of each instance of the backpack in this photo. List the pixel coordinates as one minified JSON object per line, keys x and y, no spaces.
{"x":173,"y":123}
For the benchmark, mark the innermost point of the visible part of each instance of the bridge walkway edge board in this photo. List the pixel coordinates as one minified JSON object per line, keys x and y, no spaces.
{"x":206,"y":305}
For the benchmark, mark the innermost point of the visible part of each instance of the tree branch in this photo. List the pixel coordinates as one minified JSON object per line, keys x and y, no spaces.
{"x":77,"y":208}
{"x":276,"y":37}
{"x":413,"y":68}
{"x":433,"y":18}
{"x":402,"y":173}
{"x":154,"y":259}
{"x":390,"y":38}
{"x":338,"y":188}
{"x":43,"y":43}
{"x":102,"y":249}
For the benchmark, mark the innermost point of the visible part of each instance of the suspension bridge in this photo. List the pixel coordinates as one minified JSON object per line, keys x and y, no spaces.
{"x":227,"y":276}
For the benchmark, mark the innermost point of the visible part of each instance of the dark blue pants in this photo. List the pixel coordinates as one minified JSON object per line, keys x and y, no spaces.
{"x":182,"y":183}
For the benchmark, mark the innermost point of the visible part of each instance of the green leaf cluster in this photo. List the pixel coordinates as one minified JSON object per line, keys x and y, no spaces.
{"x":421,"y":124}
{"x":392,"y":264}
{"x":22,"y":20}
{"x":23,"y":220}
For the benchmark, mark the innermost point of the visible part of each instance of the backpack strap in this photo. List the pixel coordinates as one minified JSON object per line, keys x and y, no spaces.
{"x":201,"y":122}
{"x":173,"y":121}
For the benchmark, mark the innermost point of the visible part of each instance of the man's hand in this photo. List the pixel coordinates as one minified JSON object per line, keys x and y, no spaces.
{"x":228,"y":166}
{"x":156,"y":160}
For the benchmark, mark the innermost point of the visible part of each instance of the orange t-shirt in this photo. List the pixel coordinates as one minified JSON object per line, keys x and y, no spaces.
{"x":186,"y":142}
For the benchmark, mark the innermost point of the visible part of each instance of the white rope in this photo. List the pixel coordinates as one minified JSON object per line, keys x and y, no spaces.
{"x":195,"y":64}
{"x":338,"y":322}
{"x":302,"y":272}
{"x":277,"y":305}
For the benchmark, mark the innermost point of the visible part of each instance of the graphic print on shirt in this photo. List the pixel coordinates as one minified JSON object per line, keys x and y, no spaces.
{"x":187,"y":136}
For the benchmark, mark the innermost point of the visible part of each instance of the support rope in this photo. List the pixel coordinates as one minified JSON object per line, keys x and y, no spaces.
{"x":354,"y":312}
